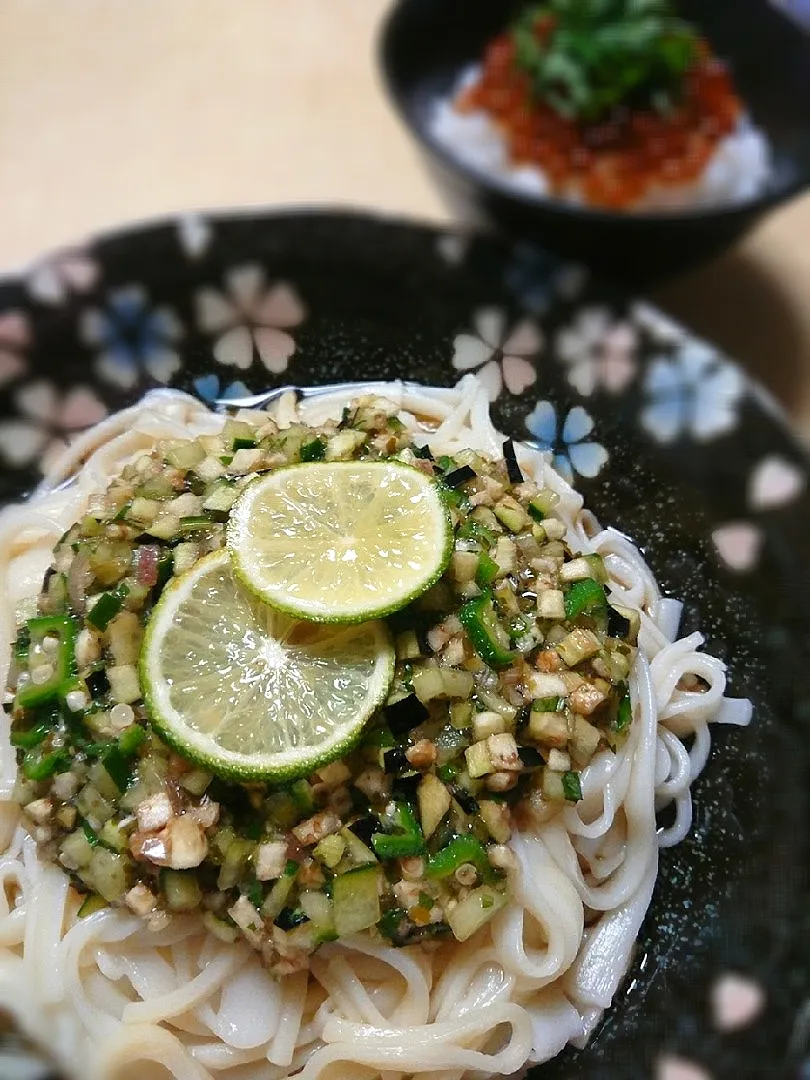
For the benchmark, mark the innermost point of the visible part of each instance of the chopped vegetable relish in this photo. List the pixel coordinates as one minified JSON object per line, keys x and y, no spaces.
{"x":512,"y":672}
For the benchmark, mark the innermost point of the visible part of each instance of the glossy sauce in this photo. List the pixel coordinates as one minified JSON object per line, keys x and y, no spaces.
{"x":615,"y":163}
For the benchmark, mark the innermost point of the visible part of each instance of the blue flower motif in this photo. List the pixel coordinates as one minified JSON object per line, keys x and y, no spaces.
{"x":567,"y":440}
{"x":536,"y":277}
{"x":694,"y":393}
{"x":530,"y":275}
{"x":210,"y":388}
{"x":132,"y":338}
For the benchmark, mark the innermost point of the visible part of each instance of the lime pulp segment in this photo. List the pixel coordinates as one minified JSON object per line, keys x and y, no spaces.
{"x":249,"y":692}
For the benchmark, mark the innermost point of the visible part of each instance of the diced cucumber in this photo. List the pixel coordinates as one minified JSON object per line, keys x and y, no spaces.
{"x":165,"y":527}
{"x":479,"y":761}
{"x":428,"y":683}
{"x":181,"y":889}
{"x":476,"y":909}
{"x":407,"y":646}
{"x":75,"y":851}
{"x":434,"y":802}
{"x":356,"y":900}
{"x":329,"y":851}
{"x":344,"y":444}
{"x":220,"y":497}
{"x":93,"y":807}
{"x":91,"y":903}
{"x":144,"y":510}
{"x":318,"y":909}
{"x":461,"y":714}
{"x":235,"y":863}
{"x":106,"y":873}
{"x":224,"y":931}
{"x":234,"y":430}
{"x":158,"y":487}
{"x":185,"y":556}
{"x":456,"y":684}
{"x":276,"y":899}
{"x":356,"y":850}
{"x":184,"y":454}
{"x":112,"y":837}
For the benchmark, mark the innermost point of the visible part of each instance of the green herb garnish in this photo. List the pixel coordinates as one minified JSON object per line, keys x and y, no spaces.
{"x":585,"y":58}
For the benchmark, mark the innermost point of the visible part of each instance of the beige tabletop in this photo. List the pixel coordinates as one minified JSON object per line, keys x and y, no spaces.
{"x":115,"y":110}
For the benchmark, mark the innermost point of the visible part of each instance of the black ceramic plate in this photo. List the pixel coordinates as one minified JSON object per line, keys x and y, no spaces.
{"x":667,"y":440}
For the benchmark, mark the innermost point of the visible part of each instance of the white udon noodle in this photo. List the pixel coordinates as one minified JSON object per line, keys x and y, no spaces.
{"x":111,"y":999}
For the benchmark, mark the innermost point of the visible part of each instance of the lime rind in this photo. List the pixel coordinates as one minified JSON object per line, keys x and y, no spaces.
{"x":243,"y":547}
{"x":191,"y":655}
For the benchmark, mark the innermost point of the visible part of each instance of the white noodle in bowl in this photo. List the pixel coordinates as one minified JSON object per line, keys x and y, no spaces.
{"x":112,"y":999}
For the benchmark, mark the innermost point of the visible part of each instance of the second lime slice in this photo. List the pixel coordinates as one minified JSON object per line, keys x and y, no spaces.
{"x":250,"y":693}
{"x":342,"y":541}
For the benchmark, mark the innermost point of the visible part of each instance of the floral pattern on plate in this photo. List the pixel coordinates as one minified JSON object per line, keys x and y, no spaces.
{"x":251,"y":319}
{"x":132,"y":338}
{"x":500,"y":356}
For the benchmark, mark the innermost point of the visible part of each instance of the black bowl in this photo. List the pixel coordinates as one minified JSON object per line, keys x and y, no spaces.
{"x":426,"y":43}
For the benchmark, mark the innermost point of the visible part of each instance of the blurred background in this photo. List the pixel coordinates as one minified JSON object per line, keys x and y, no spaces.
{"x":113,"y":111}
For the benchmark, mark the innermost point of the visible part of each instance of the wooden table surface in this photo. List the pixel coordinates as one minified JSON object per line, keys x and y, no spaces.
{"x":118,"y":110}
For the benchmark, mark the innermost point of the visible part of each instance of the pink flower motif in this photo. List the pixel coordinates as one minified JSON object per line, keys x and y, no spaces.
{"x":598,"y":351}
{"x":499,"y":357}
{"x":739,"y":544}
{"x":70,"y":271}
{"x":251,"y":319}
{"x":15,"y":339}
{"x":46,"y":422}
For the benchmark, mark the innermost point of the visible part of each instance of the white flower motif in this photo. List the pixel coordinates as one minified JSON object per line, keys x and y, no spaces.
{"x":194,"y":232}
{"x":15,"y":339}
{"x":694,"y":393}
{"x":598,"y":351}
{"x":132,"y":337}
{"x":568,"y":441}
{"x":69,"y":271}
{"x":659,"y":326}
{"x":252,"y":319}
{"x":775,"y":482}
{"x":499,"y":358}
{"x":452,"y":246}
{"x":47,"y":421}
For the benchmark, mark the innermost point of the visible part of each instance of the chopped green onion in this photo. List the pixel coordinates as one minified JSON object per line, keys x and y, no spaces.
{"x":244,"y":444}
{"x":487,"y":570}
{"x":90,"y":834}
{"x":107,"y":607}
{"x":584,"y":597}
{"x":116,"y":765}
{"x":447,"y":773}
{"x":130,"y":739}
{"x":314,"y":450}
{"x":488,"y":637}
{"x":194,"y":523}
{"x":38,"y":766}
{"x":403,"y":836}
{"x":572,"y":789}
{"x":548,"y":704}
{"x":460,"y":850}
{"x":27,"y":740}
{"x":62,"y":660}
{"x":624,"y":716}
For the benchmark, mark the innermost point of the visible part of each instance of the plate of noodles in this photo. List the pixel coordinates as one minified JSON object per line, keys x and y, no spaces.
{"x":404,"y":643}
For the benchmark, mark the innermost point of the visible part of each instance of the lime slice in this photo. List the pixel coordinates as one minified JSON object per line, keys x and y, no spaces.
{"x":343,"y":541}
{"x":250,"y":693}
